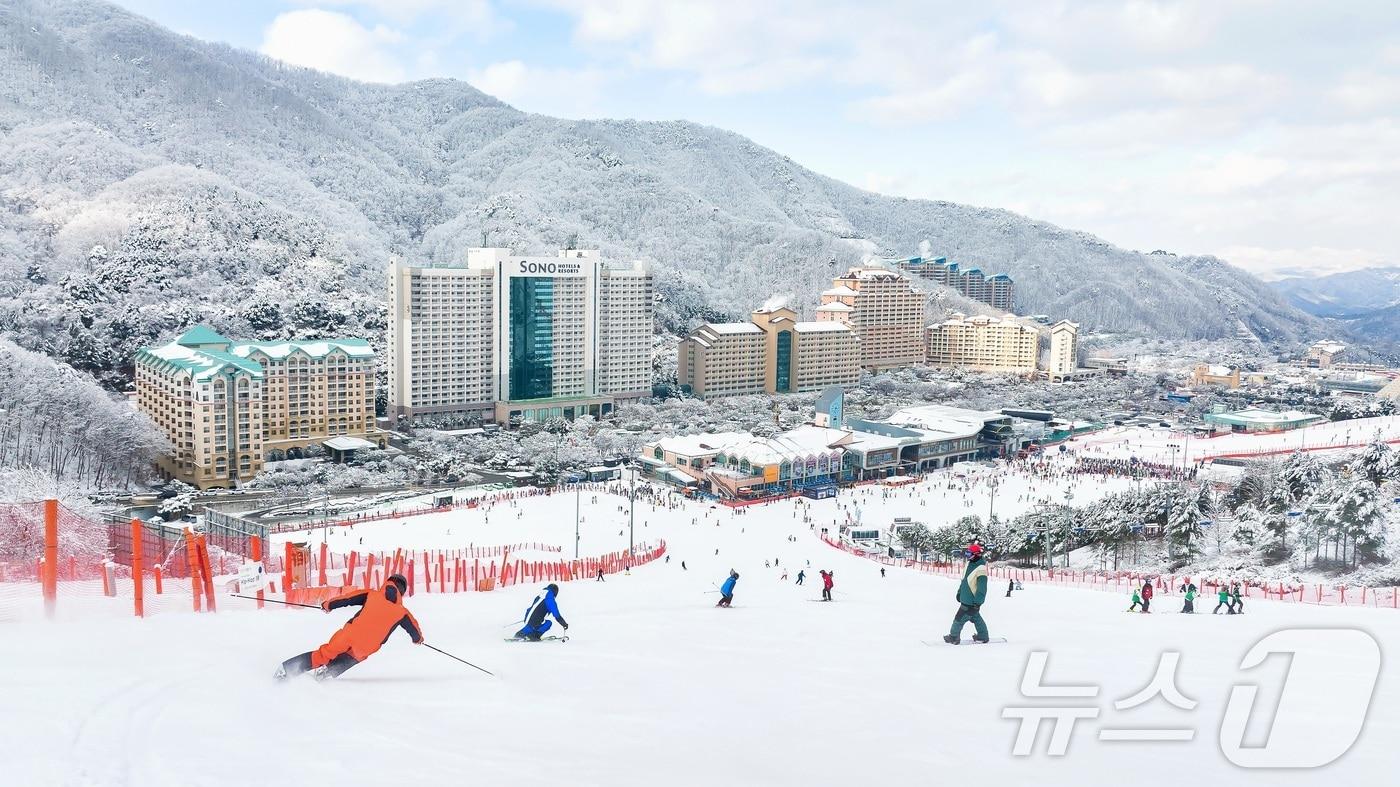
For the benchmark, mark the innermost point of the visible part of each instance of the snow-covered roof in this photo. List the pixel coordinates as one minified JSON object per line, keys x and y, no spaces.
{"x":201,"y":365}
{"x":348,"y":443}
{"x":319,"y":348}
{"x":1255,"y":416}
{"x":1391,"y":391}
{"x":942,"y":421}
{"x":1216,"y":370}
{"x":835,"y":306}
{"x":1328,"y":346}
{"x":732,"y":327}
{"x":701,"y":444}
{"x":823,"y":326}
{"x":840,"y":291}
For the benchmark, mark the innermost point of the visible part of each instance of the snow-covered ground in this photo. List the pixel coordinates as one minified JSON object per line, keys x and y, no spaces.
{"x":1164,"y":446}
{"x":657,"y":686}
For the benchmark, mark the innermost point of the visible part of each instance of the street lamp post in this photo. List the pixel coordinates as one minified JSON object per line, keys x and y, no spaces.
{"x":631,"y":509}
{"x":1069,"y":495}
{"x":991,"y":506}
{"x":578,"y":503}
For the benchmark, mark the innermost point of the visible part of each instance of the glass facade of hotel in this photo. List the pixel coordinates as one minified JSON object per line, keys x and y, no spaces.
{"x":531,"y":338}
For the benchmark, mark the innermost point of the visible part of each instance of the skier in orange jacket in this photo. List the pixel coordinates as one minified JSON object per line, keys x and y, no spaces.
{"x":381,"y":611}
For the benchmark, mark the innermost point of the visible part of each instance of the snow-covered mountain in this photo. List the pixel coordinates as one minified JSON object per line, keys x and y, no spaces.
{"x":149,"y":180}
{"x":1343,"y":294}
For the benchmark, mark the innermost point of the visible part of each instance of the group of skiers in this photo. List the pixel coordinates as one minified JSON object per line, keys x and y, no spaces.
{"x":382,"y":611}
{"x":1230,"y":596}
{"x":726,"y":590}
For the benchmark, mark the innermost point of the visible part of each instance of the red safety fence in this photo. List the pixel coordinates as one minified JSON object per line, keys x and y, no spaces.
{"x":52,"y":558}
{"x":1125,"y":582}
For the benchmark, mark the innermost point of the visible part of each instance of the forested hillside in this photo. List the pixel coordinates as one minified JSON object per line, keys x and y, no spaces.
{"x":149,"y":180}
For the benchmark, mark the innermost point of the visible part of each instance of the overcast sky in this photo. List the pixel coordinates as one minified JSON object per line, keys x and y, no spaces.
{"x":1264,"y":131}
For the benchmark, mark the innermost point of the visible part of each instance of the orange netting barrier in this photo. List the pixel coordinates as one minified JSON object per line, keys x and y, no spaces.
{"x":56,"y":561}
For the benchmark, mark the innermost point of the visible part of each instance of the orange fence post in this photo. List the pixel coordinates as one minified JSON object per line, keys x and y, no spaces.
{"x":49,"y":576}
{"x":138,"y":592}
{"x":286,"y":567}
{"x":191,"y":562}
{"x":157,"y":572}
{"x":208,"y":575}
{"x":321,"y":571}
{"x":255,"y":548}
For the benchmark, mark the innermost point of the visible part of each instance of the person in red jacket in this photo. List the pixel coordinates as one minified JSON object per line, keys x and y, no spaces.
{"x":828,"y":579}
{"x":381,"y":611}
{"x":1147,"y":596}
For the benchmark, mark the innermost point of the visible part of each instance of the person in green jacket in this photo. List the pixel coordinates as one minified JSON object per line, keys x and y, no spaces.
{"x":1224,"y":601}
{"x":972,"y":592}
{"x":1137,"y":600}
{"x":1190,"y":606}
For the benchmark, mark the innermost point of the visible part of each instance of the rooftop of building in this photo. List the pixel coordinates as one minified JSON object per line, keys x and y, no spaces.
{"x":200,"y":364}
{"x":1255,"y":416}
{"x":726,"y":328}
{"x":314,"y":348}
{"x":821,"y":326}
{"x":835,"y":306}
{"x":840,"y":291}
{"x":1218,"y":370}
{"x":1328,"y":346}
{"x":942,"y":420}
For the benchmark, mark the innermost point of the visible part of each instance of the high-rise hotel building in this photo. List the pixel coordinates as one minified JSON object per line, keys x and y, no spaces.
{"x":884,"y":310}
{"x":509,"y":336}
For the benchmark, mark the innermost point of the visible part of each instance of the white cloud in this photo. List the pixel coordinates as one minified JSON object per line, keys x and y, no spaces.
{"x":1274,"y":264}
{"x":555,"y":91}
{"x":336,"y":43}
{"x":477,"y":18}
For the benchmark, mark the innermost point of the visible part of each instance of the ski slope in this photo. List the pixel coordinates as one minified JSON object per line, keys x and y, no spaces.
{"x":656,"y":686}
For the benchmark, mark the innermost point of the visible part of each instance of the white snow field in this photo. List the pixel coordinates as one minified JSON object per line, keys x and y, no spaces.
{"x":658,"y":687}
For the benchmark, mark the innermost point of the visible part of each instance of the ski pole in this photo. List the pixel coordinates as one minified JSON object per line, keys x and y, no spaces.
{"x":275,"y":601}
{"x":464,"y":661}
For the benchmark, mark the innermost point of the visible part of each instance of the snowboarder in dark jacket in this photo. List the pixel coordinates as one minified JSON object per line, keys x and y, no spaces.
{"x":541,"y":608}
{"x":972,"y":593}
{"x":726,"y":591}
{"x":1147,"y":596}
{"x":1237,"y":598}
{"x":801,"y":575}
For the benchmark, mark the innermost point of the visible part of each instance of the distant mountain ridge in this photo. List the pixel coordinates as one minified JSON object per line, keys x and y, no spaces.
{"x":149,"y":180}
{"x":1351,"y":293}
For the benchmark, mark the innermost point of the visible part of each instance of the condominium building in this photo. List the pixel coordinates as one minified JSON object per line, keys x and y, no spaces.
{"x":1321,"y":355}
{"x":884,"y":310}
{"x":806,"y":356}
{"x":996,"y":290}
{"x":509,"y":337}
{"x":985,"y":344}
{"x":775,"y":353}
{"x":1064,"y":350}
{"x":226,"y":407}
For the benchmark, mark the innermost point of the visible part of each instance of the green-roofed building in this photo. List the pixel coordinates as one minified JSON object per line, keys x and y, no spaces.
{"x":228,"y":407}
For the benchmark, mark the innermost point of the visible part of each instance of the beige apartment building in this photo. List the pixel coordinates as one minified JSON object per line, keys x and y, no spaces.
{"x":227,"y":407}
{"x":984,"y":344}
{"x":774,"y":353}
{"x":1064,"y":350}
{"x":510,"y":337}
{"x":884,"y":310}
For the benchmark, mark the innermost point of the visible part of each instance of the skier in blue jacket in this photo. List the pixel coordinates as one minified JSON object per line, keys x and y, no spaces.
{"x":542,"y":607}
{"x":726,"y":591}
